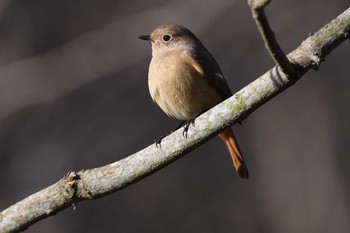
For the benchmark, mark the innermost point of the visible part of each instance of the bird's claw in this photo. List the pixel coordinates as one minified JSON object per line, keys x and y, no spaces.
{"x":187,"y":124}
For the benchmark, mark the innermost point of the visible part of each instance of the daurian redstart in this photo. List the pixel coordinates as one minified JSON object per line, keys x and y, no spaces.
{"x":185,"y":80}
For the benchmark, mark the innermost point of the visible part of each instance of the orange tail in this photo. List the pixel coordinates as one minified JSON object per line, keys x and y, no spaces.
{"x":229,"y":138}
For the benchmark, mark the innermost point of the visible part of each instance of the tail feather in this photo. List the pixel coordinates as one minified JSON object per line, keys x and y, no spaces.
{"x":228,"y":137}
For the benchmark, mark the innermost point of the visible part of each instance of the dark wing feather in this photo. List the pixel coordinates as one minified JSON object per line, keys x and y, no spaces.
{"x":212,"y":70}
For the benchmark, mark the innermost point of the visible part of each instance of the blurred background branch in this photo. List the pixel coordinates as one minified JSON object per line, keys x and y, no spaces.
{"x":94,"y":183}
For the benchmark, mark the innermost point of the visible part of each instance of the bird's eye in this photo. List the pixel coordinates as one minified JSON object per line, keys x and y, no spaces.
{"x":166,"y":38}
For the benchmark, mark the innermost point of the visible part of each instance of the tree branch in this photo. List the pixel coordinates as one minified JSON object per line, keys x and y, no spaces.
{"x":271,"y":44}
{"x":95,"y":183}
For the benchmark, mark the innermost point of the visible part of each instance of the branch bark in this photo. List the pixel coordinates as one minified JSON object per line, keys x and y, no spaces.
{"x":95,"y":183}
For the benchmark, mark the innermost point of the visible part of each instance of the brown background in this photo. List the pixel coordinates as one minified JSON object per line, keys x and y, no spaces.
{"x":73,"y":95}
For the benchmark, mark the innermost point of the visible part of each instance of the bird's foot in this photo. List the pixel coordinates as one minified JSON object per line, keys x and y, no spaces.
{"x":186,"y":124}
{"x":158,"y":140}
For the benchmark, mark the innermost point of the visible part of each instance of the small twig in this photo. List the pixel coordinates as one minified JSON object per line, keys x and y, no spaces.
{"x":271,"y":44}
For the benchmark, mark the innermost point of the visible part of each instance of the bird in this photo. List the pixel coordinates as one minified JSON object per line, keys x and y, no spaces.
{"x":185,"y":80}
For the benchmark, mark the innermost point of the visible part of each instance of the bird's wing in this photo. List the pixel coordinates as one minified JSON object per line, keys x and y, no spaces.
{"x":212,"y":73}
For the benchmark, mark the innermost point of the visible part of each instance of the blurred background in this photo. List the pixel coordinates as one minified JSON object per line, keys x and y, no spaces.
{"x":74,"y":95}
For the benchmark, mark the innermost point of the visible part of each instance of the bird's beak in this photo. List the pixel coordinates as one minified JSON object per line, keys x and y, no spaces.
{"x":145,"y":37}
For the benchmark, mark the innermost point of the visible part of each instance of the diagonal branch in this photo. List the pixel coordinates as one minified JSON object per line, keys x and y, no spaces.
{"x":98,"y":182}
{"x":271,"y":44}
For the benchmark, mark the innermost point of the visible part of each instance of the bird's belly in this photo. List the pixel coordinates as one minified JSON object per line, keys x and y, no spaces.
{"x":177,"y":102}
{"x":181,"y":93}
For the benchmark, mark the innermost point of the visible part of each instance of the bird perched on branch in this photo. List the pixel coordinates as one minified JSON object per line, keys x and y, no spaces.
{"x":185,"y":80}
